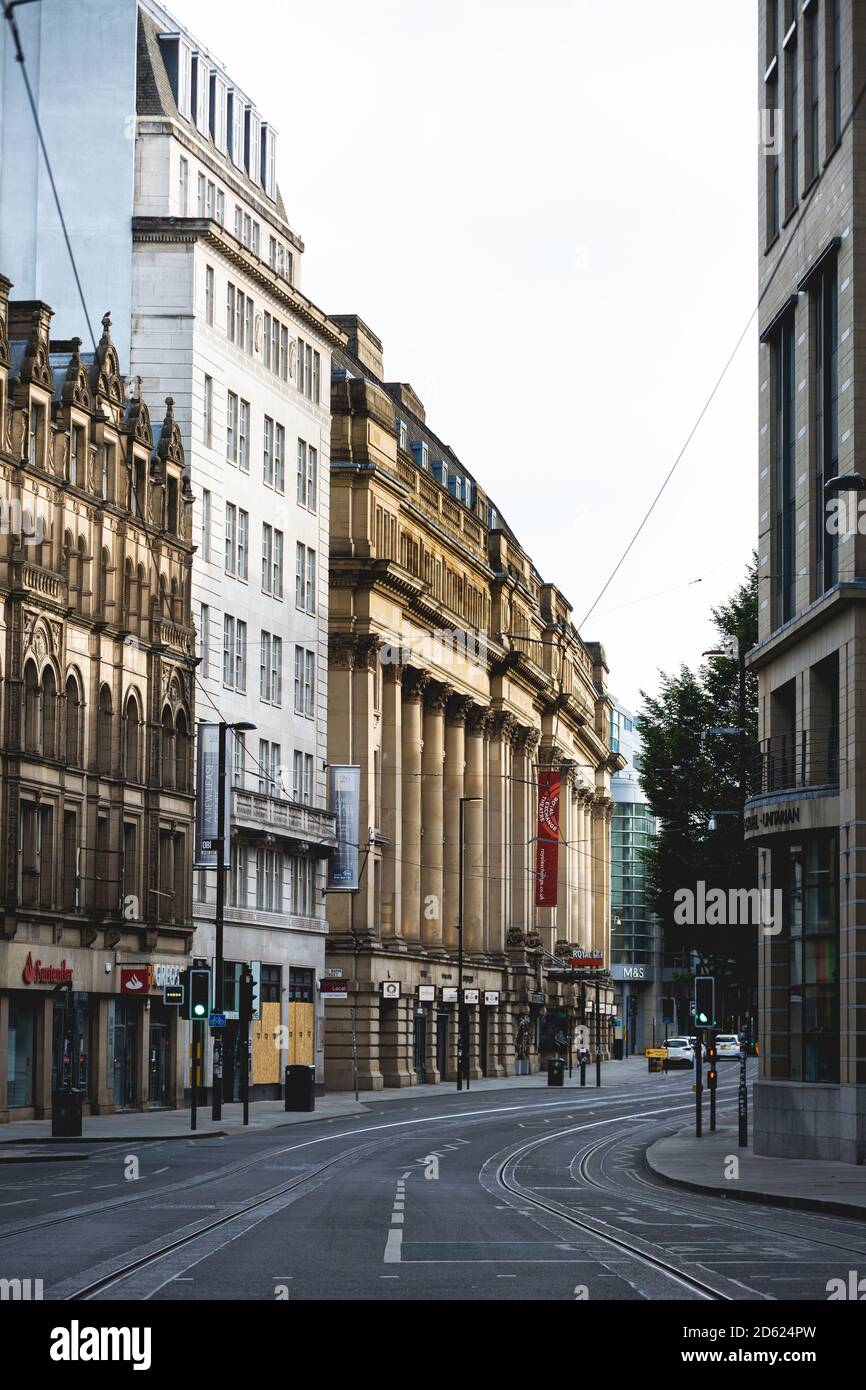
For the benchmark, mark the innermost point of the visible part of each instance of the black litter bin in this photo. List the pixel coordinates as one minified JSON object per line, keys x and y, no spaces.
{"x":300,"y":1088}
{"x":556,"y":1072}
{"x":66,"y":1114}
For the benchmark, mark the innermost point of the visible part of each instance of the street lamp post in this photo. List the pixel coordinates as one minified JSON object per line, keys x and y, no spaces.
{"x":462,"y":1059}
{"x":219,"y":990}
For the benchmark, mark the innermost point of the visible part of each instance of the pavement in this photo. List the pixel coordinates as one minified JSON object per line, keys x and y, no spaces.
{"x":161,"y":1125}
{"x":802,"y":1183}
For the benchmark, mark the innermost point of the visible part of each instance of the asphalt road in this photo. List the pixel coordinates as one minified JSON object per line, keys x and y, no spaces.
{"x":495,"y":1195}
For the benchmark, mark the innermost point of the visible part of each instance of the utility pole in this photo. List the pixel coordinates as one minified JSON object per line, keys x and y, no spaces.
{"x":218,"y":1001}
{"x":462,"y":1050}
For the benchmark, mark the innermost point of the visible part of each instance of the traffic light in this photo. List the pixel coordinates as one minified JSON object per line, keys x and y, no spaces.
{"x":196,"y":1003}
{"x":705,"y":1001}
{"x":249,"y":995}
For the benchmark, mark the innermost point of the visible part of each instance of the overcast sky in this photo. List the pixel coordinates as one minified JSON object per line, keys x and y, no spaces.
{"x":548,"y":213}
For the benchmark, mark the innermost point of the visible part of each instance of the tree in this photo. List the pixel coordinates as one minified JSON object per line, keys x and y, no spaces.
{"x":688,"y":775}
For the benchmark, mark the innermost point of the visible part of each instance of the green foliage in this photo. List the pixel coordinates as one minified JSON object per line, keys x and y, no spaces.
{"x":687,"y":778}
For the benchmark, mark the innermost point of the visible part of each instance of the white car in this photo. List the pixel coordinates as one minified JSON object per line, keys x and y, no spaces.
{"x":693,"y":1042}
{"x":680,"y":1053}
{"x":727,"y":1045}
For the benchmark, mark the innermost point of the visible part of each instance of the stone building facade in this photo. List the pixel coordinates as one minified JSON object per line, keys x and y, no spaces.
{"x":97,"y":705}
{"x":455,"y":672}
{"x":808,"y":809}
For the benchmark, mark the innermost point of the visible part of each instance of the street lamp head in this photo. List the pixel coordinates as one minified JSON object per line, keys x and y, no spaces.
{"x":846,"y":482}
{"x":241,"y":727}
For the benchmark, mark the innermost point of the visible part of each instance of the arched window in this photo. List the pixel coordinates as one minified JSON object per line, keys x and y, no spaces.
{"x":70,"y":564}
{"x":74,"y":752}
{"x":141,"y":602}
{"x":175,"y":606}
{"x":104,"y":730}
{"x":168,"y":742}
{"x":106,"y":580}
{"x":182,"y":752}
{"x":83,"y":575}
{"x":132,"y":741}
{"x":49,"y":714}
{"x":129,"y":607}
{"x":32,"y":709}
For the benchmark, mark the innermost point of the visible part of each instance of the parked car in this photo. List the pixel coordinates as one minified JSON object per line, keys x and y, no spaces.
{"x":680,"y":1053}
{"x":727,"y":1045}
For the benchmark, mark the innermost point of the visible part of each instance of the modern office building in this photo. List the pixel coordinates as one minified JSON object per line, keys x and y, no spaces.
{"x":97,"y":702}
{"x":808,"y":812}
{"x":636,"y":943}
{"x":169,"y":187}
{"x":457,"y":676}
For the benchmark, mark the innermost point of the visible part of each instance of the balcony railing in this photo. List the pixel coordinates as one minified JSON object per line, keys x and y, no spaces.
{"x":257,"y":811}
{"x":807,"y":758}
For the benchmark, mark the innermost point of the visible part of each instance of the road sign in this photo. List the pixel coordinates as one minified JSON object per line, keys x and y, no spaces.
{"x":426,"y":994}
{"x":333,"y":972}
{"x":173,"y":994}
{"x":470,"y":996}
{"x":334,"y":989}
{"x":217,"y":1020}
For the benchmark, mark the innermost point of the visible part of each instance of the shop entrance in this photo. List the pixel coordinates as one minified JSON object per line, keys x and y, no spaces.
{"x":125,"y":1045}
{"x":442,"y":1042}
{"x":302,"y":1011}
{"x":159,"y":1067}
{"x":419,"y":1043}
{"x":21,"y":1070}
{"x":69,"y":1051}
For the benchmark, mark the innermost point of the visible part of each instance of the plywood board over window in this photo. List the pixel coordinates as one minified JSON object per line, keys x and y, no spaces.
{"x":266,"y":1050}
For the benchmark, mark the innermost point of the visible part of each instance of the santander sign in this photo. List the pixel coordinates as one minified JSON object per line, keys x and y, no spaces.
{"x":35,"y":973}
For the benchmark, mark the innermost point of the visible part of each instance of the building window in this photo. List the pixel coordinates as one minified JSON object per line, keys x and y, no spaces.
{"x":304,"y":682}
{"x":277,"y":587}
{"x":794,"y":141}
{"x":267,"y":534}
{"x":239,"y":757}
{"x":244,"y":438}
{"x":239,"y":875}
{"x":837,"y":70}
{"x":773,"y":198}
{"x":218,"y":112}
{"x":183,"y":187}
{"x":268,"y":450}
{"x":813,"y":75}
{"x":825,"y":305}
{"x":205,"y":525}
{"x":307,"y":475}
{"x":784,"y":387}
{"x":280,"y":459}
{"x":201,"y":197}
{"x":228,"y":650}
{"x":232,"y":427}
{"x":265,"y":667}
{"x":308,"y":371}
{"x":204,"y":639}
{"x":241,"y":657}
{"x":208,"y":293}
{"x":813,"y":971}
{"x":221,"y":207}
{"x":305,"y":578}
{"x":243,"y":544}
{"x":231,"y":532}
{"x":271,"y":985}
{"x":207,"y":420}
{"x":210,"y":200}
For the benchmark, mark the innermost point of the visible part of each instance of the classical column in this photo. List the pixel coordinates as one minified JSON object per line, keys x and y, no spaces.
{"x":474,"y":887}
{"x":392,"y":801}
{"x":455,"y":758}
{"x":341,"y":663}
{"x":578,"y":865}
{"x":414,"y":685}
{"x":499,"y":885}
{"x":522,"y":828}
{"x":566,"y":833}
{"x":363,"y":678}
{"x":600,"y":938}
{"x":432,"y":815}
{"x":587,"y":864}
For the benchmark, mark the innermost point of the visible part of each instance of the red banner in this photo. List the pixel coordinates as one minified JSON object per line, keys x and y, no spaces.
{"x":547,"y":844}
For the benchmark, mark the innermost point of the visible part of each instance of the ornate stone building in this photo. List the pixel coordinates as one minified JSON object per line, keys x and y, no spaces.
{"x":96,"y":709}
{"x":456,"y":672}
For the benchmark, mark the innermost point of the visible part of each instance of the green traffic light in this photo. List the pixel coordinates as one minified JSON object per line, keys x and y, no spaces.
{"x":199,"y":1010}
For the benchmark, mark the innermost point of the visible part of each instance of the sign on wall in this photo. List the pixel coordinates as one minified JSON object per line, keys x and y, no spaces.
{"x":547,"y":842}
{"x":344,"y":799}
{"x":207,"y":798}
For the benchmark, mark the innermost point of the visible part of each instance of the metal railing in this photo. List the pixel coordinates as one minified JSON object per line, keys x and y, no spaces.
{"x":803,"y":758}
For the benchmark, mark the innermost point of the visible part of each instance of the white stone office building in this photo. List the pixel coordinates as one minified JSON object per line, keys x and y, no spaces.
{"x":167,"y":173}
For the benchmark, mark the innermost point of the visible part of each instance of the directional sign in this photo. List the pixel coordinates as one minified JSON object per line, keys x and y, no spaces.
{"x":217,"y":1020}
{"x":173,"y":994}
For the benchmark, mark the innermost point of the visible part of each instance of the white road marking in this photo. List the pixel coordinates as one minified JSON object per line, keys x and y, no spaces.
{"x":393,"y":1247}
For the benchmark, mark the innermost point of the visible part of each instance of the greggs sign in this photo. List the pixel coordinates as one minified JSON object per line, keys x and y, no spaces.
{"x":35,"y":973}
{"x":547,"y":843}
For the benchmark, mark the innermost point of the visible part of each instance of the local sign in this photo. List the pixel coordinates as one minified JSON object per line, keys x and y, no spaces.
{"x":333,"y":989}
{"x":35,"y":973}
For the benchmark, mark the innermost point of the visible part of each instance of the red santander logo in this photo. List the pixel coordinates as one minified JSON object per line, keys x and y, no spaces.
{"x":35,"y":973}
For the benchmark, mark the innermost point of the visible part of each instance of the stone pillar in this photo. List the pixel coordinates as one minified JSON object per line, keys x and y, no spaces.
{"x":499,"y":871}
{"x":413,"y":691}
{"x":341,"y":663}
{"x":395,"y":1032}
{"x":44,"y":1043}
{"x":4,"y":1048}
{"x":602,"y":807}
{"x":587,"y":863}
{"x":566,"y":833}
{"x":432,"y":817}
{"x":474,"y":879}
{"x":364,"y":998}
{"x":363,"y":728}
{"x":392,"y":802}
{"x":522,"y":830}
{"x":578,"y":867}
{"x":102,"y":1062}
{"x":455,"y":759}
{"x":144,"y":1056}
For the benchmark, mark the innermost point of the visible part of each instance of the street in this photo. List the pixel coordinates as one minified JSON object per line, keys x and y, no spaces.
{"x":503,"y":1194}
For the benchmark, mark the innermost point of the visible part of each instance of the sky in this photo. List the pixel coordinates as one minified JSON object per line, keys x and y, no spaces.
{"x":548,"y":213}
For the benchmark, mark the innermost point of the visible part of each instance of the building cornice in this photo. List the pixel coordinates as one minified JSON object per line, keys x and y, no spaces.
{"x":188,"y":230}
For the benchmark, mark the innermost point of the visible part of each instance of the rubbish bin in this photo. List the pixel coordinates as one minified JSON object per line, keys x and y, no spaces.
{"x":556,"y":1072}
{"x":66,"y":1114}
{"x":300,"y":1088}
{"x":655,"y":1063}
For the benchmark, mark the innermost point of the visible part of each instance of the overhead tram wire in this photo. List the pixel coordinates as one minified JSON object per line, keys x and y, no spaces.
{"x":719,"y":380}
{"x":9,"y":15}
